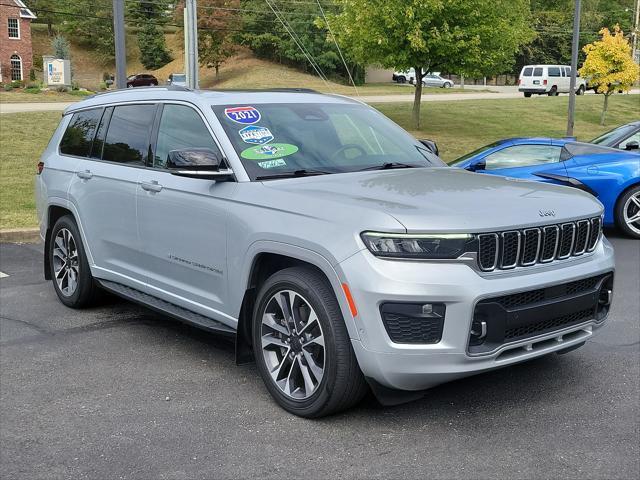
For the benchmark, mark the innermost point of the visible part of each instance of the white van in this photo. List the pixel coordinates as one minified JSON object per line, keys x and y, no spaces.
{"x":548,"y":79}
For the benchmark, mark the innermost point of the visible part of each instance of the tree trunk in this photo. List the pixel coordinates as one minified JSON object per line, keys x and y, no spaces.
{"x":50,"y":29}
{"x":217,"y":68}
{"x":417,"y":99}
{"x":604,"y":108}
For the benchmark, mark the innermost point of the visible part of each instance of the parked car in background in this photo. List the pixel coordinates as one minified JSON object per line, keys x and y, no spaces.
{"x":611,"y":175}
{"x":177,"y":79}
{"x":339,"y":251}
{"x":141,"y":80}
{"x":433,"y":80}
{"x":404,"y":76}
{"x":548,"y":80}
{"x":624,"y":137}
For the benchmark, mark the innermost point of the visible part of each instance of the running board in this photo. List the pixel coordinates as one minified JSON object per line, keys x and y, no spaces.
{"x":166,"y":308}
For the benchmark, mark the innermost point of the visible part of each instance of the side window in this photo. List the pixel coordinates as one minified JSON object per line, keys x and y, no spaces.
{"x":554,"y":71}
{"x":537,"y":72}
{"x":180,"y":127}
{"x":78,"y":137}
{"x":127,"y":139}
{"x":633,"y":138}
{"x":522,"y":156}
{"x":527,"y":72}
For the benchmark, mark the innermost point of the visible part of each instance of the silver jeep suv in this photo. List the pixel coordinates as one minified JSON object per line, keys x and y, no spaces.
{"x":342,"y":254}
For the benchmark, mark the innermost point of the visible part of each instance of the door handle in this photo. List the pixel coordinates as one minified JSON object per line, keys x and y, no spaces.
{"x":85,"y":174}
{"x":151,"y":186}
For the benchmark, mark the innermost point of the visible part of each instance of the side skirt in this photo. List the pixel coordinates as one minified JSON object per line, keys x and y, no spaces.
{"x":166,"y":308}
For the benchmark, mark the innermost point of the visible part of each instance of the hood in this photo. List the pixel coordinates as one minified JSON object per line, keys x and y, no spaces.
{"x":438,"y":199}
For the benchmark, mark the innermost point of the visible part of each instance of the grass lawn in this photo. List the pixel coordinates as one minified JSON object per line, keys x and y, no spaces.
{"x":462,"y":126}
{"x":18,"y":96}
{"x":458,"y":127}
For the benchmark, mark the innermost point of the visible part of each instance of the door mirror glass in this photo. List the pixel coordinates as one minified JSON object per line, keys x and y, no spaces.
{"x":632,"y":145}
{"x":475,"y":167}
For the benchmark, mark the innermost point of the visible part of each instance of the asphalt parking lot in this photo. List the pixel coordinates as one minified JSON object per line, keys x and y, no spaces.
{"x":120,"y":392}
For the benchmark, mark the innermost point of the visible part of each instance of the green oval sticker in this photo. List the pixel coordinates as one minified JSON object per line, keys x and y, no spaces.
{"x":269,"y":151}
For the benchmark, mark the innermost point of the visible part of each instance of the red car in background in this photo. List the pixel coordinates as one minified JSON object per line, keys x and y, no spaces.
{"x":141,"y":80}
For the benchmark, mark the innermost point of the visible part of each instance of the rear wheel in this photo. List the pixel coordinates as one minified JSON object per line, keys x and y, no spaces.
{"x":302,"y":347}
{"x":527,"y":95}
{"x":580,"y":90}
{"x":553,"y":92}
{"x":627,"y":212}
{"x":70,"y":272}
{"x":402,"y":79}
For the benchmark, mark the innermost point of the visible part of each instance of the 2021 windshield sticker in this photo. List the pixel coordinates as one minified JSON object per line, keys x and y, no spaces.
{"x":256,"y":134}
{"x":272,"y":163}
{"x":266,"y":152}
{"x":246,"y":115}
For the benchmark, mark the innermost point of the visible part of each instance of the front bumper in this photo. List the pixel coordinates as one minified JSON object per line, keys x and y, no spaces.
{"x":409,"y":366}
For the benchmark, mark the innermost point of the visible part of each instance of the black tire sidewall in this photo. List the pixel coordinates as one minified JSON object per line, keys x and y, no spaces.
{"x":85,"y":281}
{"x":619,"y":212}
{"x":290,"y":280}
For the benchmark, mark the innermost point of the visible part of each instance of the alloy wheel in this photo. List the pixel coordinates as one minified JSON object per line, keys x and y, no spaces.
{"x":631,"y":212}
{"x":293,"y":344}
{"x":66,"y":267}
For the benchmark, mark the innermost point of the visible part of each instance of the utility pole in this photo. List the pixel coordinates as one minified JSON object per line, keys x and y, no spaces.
{"x":121,"y":53}
{"x":634,"y":43}
{"x":191,"y":43}
{"x":574,"y":68}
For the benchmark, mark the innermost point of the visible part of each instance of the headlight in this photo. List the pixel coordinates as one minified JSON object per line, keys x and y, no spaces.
{"x":420,"y":246}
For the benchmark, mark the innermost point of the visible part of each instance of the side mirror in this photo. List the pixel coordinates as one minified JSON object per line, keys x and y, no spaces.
{"x":197,"y":163}
{"x":430,"y":144}
{"x":481,"y":165}
{"x":634,"y":145}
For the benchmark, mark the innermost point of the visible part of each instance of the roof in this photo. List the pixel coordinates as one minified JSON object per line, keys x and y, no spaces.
{"x":24,"y":11}
{"x":209,"y":97}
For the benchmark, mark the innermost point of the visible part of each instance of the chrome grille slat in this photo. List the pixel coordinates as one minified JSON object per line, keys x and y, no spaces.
{"x":536,"y":245}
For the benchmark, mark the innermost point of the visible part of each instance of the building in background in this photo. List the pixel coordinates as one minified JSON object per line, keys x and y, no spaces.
{"x":16,"y":57}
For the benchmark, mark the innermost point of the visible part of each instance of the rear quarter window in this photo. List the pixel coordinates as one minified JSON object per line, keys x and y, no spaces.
{"x":78,"y":136}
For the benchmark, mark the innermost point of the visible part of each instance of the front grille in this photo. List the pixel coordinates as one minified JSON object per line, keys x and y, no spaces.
{"x":548,"y":325}
{"x":530,"y":246}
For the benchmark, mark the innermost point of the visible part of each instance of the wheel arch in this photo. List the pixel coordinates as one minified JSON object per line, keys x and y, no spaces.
{"x":634,"y":183}
{"x":54,"y":213}
{"x":264,"y":263}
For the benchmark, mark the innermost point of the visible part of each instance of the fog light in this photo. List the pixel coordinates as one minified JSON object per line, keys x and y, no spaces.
{"x":413,"y":322}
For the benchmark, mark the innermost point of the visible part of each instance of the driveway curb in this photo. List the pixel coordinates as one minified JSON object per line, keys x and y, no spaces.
{"x":20,"y":235}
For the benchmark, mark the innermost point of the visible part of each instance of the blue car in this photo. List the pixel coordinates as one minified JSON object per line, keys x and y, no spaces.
{"x":612,"y":175}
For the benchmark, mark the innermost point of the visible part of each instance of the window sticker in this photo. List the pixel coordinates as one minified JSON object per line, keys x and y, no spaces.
{"x":244,"y":115}
{"x":256,"y":134}
{"x":272,"y":163}
{"x":265,"y":152}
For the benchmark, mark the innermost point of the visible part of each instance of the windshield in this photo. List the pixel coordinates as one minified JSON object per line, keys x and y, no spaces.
{"x":474,"y":153}
{"x":612,"y":135}
{"x":275,"y":139}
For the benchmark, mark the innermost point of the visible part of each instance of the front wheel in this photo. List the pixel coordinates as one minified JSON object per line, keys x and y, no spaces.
{"x":580,"y":90}
{"x":302,"y":347}
{"x":70,"y":272}
{"x":447,"y":85}
{"x":627,"y":212}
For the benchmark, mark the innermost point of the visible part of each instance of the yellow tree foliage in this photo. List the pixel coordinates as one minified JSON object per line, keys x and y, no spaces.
{"x":609,"y":66}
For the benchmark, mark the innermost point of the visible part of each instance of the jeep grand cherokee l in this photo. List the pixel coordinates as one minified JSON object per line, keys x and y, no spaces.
{"x":341,"y":253}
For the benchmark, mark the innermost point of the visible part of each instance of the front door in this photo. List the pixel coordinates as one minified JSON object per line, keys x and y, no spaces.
{"x":182,"y":221}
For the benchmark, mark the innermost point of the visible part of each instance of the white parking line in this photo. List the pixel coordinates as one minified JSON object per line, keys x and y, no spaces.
{"x":2,"y":275}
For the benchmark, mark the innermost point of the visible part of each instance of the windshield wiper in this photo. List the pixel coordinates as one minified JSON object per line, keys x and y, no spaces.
{"x":296,"y":173}
{"x":387,"y":166}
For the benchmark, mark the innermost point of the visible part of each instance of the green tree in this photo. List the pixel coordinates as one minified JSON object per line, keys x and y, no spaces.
{"x":609,"y":66}
{"x":61,"y":48}
{"x":149,"y":17}
{"x":473,"y":37}
{"x":90,"y":25}
{"x":47,"y":12}
{"x":218,"y":22}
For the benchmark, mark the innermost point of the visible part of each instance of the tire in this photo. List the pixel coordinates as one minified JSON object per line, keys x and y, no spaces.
{"x":447,"y":85}
{"x":64,"y":268}
{"x":339,"y":384}
{"x":553,"y":92}
{"x":628,"y":207}
{"x":580,"y":90}
{"x":527,"y":95}
{"x":402,"y":79}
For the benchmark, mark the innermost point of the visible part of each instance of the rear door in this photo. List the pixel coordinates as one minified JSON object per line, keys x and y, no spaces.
{"x":538,"y":162}
{"x":182,"y":220}
{"x":104,"y":191}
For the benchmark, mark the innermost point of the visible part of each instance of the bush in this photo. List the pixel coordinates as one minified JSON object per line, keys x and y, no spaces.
{"x":16,"y":84}
{"x":32,"y":90}
{"x":62,"y":89}
{"x":7,"y":87}
{"x":33,"y":85}
{"x":32,"y":75}
{"x":75,"y":86}
{"x":61,"y":47}
{"x":80,"y":93}
{"x":103,"y":86}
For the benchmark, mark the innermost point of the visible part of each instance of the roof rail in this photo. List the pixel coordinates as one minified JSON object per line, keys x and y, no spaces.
{"x":282,"y":89}
{"x":170,"y":88}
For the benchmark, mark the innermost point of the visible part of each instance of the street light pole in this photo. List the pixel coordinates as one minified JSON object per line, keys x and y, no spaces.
{"x":118,"y":34}
{"x":574,"y":68}
{"x":191,"y":47}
